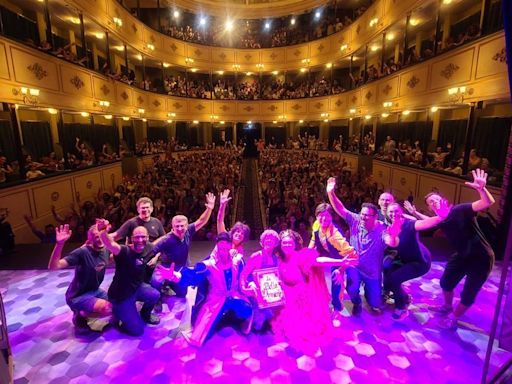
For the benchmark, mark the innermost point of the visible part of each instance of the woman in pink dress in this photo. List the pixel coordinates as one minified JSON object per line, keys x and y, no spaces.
{"x":305,"y":319}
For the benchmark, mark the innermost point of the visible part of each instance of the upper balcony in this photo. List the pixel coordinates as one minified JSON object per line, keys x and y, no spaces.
{"x":108,"y":29}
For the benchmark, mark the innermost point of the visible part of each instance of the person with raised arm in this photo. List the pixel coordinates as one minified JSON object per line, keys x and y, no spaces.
{"x":239,"y":232}
{"x":474,"y":257}
{"x":412,"y":259}
{"x":175,"y":245}
{"x":367,"y":238}
{"x":128,"y":285}
{"x":328,"y":241}
{"x":84,"y":295}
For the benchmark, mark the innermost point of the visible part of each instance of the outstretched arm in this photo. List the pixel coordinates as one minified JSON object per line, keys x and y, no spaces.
{"x":103,"y":227}
{"x":430,"y":222}
{"x":412,"y":210}
{"x":62,"y":234}
{"x":224,"y":199}
{"x":336,"y":203}
{"x":205,"y":216}
{"x":479,"y":184}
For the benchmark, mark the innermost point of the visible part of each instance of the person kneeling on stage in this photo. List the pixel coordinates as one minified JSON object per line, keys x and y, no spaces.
{"x":128,"y":283}
{"x":84,"y":295}
{"x":224,"y":296}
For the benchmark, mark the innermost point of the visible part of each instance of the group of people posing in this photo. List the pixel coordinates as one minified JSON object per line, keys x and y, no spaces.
{"x":283,"y":281}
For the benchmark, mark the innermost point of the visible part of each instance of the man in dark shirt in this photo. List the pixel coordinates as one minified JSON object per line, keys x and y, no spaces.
{"x":174,"y":246}
{"x":474,"y":257}
{"x":153,"y":225}
{"x":84,"y":295}
{"x":128,"y":285}
{"x":46,"y":237}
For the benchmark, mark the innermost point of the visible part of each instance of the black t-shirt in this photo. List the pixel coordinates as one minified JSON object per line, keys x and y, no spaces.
{"x":463,"y":232}
{"x":410,"y":249}
{"x":89,"y":272}
{"x":130,"y":271}
{"x":154,"y":227}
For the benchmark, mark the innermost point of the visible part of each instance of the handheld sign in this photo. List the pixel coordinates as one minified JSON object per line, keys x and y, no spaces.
{"x":270,"y":292}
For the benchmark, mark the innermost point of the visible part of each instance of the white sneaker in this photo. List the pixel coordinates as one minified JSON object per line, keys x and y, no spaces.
{"x":336,"y":319}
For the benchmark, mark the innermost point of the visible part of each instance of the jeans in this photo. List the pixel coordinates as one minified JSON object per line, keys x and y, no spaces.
{"x":372,"y":288}
{"x":399,"y":273}
{"x":126,"y":311}
{"x":335,"y":292}
{"x":157,"y":282}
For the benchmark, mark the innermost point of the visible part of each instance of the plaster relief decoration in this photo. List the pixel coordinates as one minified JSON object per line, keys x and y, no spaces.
{"x":152,"y":38}
{"x":173,"y":47}
{"x":354,"y":99}
{"x":198,"y":52}
{"x":380,"y":173}
{"x":199,"y":107}
{"x":297,"y":53}
{"x":403,"y":181}
{"x":177,"y":105}
{"x":413,"y":82}
{"x":339,"y":103}
{"x":105,"y":89}
{"x":501,"y":56}
{"x":320,"y":47}
{"x":358,"y":29}
{"x":134,"y":27}
{"x":124,"y":95}
{"x":248,"y":57}
{"x":224,"y":108}
{"x":77,"y":82}
{"x":248,"y":108}
{"x":140,"y":99}
{"x":37,"y":70}
{"x":368,"y":95}
{"x":273,"y":56}
{"x":272,"y":108}
{"x":318,"y":105}
{"x":296,"y":107}
{"x":89,"y":184}
{"x":387,"y":89}
{"x":55,"y":196}
{"x":449,"y":70}
{"x":223,"y":56}
{"x":156,"y":103}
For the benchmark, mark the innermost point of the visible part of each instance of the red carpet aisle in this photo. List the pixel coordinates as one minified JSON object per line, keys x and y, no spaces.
{"x":367,"y":349}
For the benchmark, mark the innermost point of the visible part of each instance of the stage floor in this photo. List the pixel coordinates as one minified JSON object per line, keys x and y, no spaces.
{"x":368,"y":348}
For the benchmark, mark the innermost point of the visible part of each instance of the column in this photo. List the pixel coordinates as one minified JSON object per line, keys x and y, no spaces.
{"x":436,"y":119}
{"x":48,"y":22}
{"x":419,"y":39}
{"x":406,"y":40}
{"x":84,"y":42}
{"x":41,"y":26}
{"x":437,"y":37}
{"x":446,"y":29}
{"x":72,"y":39}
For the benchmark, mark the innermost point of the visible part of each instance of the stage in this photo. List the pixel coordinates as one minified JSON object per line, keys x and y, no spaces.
{"x":368,"y":348}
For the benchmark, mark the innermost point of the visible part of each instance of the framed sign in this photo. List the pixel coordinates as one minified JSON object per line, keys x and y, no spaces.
{"x":270,"y":291}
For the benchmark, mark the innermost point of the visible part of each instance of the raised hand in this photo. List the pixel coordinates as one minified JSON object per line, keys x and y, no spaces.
{"x":210,"y":200}
{"x":102,"y":224}
{"x":409,"y":207}
{"x":479,"y":180}
{"x":331,"y":184}
{"x":224,"y":197}
{"x":62,"y":233}
{"x":395,"y":227}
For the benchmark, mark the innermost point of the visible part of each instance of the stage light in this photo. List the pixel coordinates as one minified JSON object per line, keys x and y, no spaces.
{"x":176,"y":14}
{"x":390,"y":36}
{"x":267,"y":25}
{"x":202,"y":21}
{"x":292,"y":21}
{"x":434,"y":109}
{"x":229,"y":25}
{"x":318,"y":14}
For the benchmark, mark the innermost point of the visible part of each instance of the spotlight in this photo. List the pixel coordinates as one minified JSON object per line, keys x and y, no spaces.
{"x":176,"y":14}
{"x":52,"y":111}
{"x":384,"y":115}
{"x":318,"y":14}
{"x":108,"y":117}
{"x":292,"y":21}
{"x":434,"y":109}
{"x":229,"y":25}
{"x":84,"y":114}
{"x":367,"y":117}
{"x":390,"y":36}
{"x":267,"y":25}
{"x":406,"y":112}
{"x":202,"y":21}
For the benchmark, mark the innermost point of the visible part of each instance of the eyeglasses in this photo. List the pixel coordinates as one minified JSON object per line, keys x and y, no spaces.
{"x":366,"y":215}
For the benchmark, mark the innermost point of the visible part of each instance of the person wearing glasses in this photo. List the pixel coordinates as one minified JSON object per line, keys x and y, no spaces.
{"x":367,"y":238}
{"x":128,"y":284}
